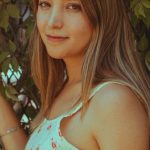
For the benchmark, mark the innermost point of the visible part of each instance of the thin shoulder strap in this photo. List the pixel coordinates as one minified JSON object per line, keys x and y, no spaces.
{"x":93,"y":92}
{"x":99,"y":86}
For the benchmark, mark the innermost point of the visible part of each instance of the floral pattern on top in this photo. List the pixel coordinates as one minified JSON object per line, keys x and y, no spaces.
{"x":48,"y":136}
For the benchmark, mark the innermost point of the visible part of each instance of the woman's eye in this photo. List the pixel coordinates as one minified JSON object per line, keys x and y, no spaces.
{"x":75,"y":7}
{"x":44,"y":5}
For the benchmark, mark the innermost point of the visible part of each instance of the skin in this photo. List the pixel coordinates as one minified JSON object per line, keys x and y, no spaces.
{"x":119,"y":121}
{"x":12,"y":140}
{"x":115,"y":119}
{"x":65,"y":18}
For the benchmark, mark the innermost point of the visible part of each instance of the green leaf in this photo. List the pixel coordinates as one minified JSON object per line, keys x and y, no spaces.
{"x":133,"y":3}
{"x":14,"y":64}
{"x":29,"y":30}
{"x":13,"y":10}
{"x":3,"y":56}
{"x":4,"y":19}
{"x":146,"y":20}
{"x":11,"y":96}
{"x":139,"y":10}
{"x":134,"y":20}
{"x":29,"y":23}
{"x":143,"y":43}
{"x":146,"y":3}
{"x":12,"y":46}
{"x":5,"y":66}
{"x":11,"y":89}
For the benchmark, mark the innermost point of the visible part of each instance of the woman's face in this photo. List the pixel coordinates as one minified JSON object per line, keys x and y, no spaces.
{"x":64,"y":27}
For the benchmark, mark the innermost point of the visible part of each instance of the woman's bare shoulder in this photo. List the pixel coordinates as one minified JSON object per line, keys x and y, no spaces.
{"x":114,"y":92}
{"x":119,"y":119}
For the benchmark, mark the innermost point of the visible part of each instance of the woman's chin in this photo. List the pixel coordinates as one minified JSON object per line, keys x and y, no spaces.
{"x":56,"y":56}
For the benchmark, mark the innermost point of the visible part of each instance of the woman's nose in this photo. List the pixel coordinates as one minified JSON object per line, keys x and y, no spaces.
{"x":55,"y":19}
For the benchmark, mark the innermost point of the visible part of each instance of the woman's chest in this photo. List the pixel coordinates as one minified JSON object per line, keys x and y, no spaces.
{"x":78,"y":132}
{"x":75,"y":131}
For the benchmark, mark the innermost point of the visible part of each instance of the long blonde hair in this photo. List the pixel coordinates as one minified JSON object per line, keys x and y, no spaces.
{"x":112,"y":47}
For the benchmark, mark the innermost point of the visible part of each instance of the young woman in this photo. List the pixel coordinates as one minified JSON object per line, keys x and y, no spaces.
{"x":94,"y":91}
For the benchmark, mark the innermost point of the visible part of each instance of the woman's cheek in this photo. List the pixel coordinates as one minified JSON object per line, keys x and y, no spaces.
{"x":78,"y":24}
{"x":41,"y":20}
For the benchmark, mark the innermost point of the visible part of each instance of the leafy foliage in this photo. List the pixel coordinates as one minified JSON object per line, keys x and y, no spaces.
{"x":16,"y":84}
{"x":140,"y":18}
{"x":16,"y":23}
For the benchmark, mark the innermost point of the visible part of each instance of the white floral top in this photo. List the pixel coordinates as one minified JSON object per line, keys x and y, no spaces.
{"x":48,"y":136}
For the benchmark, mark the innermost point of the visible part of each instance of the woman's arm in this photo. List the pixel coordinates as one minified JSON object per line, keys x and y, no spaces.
{"x":119,"y":120}
{"x":8,"y":119}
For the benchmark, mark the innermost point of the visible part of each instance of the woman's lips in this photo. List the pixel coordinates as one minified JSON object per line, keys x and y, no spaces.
{"x":56,"y":38}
